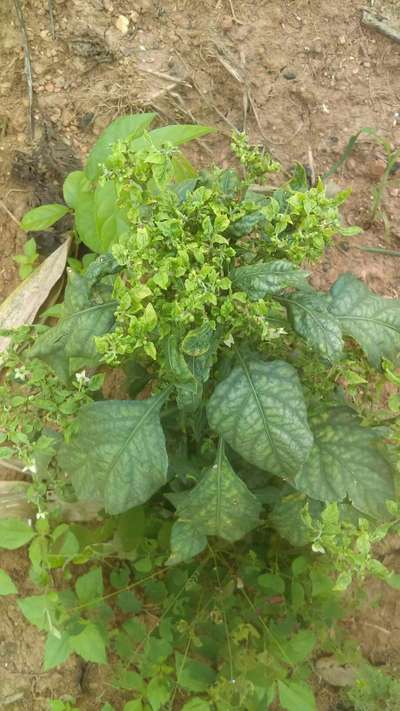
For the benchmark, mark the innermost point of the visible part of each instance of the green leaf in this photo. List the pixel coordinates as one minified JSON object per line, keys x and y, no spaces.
{"x":259,"y":410}
{"x":158,"y":693}
{"x":273,"y":584}
{"x":197,"y":342}
{"x":89,"y":644}
{"x":120,"y":129}
{"x":7,"y":586}
{"x":346,"y":461}
{"x":219,"y":505}
{"x":75,"y":184}
{"x":56,"y":651}
{"x":261,"y":279}
{"x":196,"y":704}
{"x":176,"y":134}
{"x":296,"y":696}
{"x":99,"y":221}
{"x":300,"y":647}
{"x":14,"y":533}
{"x":134,"y":705}
{"x":40,"y":218}
{"x":70,"y":345}
{"x":186,"y":542}
{"x":192,"y":675}
{"x":37,"y":610}
{"x":373,"y":321}
{"x":118,"y":453}
{"x":89,"y":586}
{"x":310,"y":318}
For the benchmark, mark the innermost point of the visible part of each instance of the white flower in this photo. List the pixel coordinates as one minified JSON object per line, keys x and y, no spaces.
{"x":21,"y":373}
{"x":41,"y":514}
{"x":30,"y":468}
{"x":82,"y":378}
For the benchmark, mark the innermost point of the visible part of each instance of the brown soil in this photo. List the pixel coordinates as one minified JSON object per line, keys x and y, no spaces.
{"x":313,"y":75}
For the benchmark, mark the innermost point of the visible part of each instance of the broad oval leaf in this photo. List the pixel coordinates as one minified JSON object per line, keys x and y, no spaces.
{"x":75,"y":184}
{"x":118,"y":453}
{"x":89,"y":644}
{"x":14,"y":533}
{"x":259,"y":410}
{"x":373,"y":321}
{"x":176,"y":134}
{"x":311,"y":319}
{"x":118,"y":130}
{"x":40,"y":218}
{"x":99,"y":221}
{"x":346,"y":462}
{"x":219,"y":505}
{"x":259,"y":280}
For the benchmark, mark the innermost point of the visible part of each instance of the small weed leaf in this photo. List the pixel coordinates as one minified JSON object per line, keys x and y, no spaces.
{"x":40,"y":218}
{"x":56,"y":651}
{"x":193,"y":675}
{"x":89,"y":586}
{"x":89,"y":644}
{"x":7,"y":587}
{"x":296,"y":696}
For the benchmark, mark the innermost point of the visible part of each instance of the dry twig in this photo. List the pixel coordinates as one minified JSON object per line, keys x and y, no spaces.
{"x":51,"y":19}
{"x":28,"y":64}
{"x":381,"y":24}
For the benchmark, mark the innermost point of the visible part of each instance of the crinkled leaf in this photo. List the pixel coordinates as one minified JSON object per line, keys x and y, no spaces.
{"x":286,"y":516}
{"x":219,"y":505}
{"x":40,"y":218}
{"x":70,"y":345}
{"x":310,"y":318}
{"x":346,"y":461}
{"x":14,"y":533}
{"x":259,"y":410}
{"x":89,"y":644}
{"x":373,"y":321}
{"x":120,"y":129}
{"x":7,"y":586}
{"x":198,"y":341}
{"x":90,"y":585}
{"x":118,"y":453}
{"x":186,"y":542}
{"x":246,"y":224}
{"x":259,"y":280}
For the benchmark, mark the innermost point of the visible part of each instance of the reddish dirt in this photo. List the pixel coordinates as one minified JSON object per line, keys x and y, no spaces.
{"x":313,"y":75}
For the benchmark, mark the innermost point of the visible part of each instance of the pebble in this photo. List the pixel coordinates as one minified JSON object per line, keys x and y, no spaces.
{"x":227,"y":23}
{"x":122,"y":24}
{"x":342,"y":40}
{"x":134,"y":15}
{"x":108,"y":6}
{"x":288,"y":74}
{"x":376,"y":168}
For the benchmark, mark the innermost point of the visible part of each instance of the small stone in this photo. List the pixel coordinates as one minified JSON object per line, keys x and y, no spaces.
{"x":108,"y":6}
{"x":394,"y":192}
{"x":49,"y":87}
{"x":288,"y":74}
{"x":376,"y":168}
{"x":134,"y":15}
{"x":122,"y":24}
{"x":227,"y":23}
{"x":342,"y":40}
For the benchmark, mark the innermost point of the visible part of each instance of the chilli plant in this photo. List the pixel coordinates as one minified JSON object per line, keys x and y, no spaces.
{"x":194,"y":305}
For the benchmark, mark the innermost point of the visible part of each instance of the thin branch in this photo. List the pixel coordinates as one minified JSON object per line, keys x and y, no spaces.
{"x":11,"y":216}
{"x":27,"y":61}
{"x":51,"y":19}
{"x":379,"y":23}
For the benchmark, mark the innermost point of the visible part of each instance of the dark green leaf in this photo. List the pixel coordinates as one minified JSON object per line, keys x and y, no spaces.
{"x":7,"y":586}
{"x":260,"y":411}
{"x":287,"y":519}
{"x":261,"y":279}
{"x":246,"y":224}
{"x":14,"y":533}
{"x":373,"y":321}
{"x":118,"y":453}
{"x":346,"y":461}
{"x":158,"y":693}
{"x":120,"y":129}
{"x":192,"y":675}
{"x":40,"y":218}
{"x":310,"y":318}
{"x":219,"y":505}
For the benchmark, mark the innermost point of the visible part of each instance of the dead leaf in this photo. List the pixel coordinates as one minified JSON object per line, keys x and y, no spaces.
{"x":22,"y":305}
{"x":13,"y":500}
{"x":336,"y":674}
